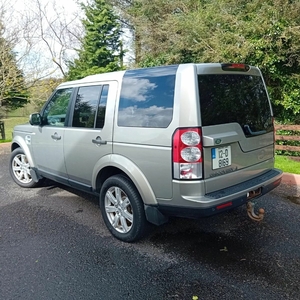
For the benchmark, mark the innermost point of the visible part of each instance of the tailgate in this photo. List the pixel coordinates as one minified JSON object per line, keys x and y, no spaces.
{"x":237,"y":125}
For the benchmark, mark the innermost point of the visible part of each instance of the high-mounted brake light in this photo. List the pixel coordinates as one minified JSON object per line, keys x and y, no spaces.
{"x":187,"y":153}
{"x":235,"y":67}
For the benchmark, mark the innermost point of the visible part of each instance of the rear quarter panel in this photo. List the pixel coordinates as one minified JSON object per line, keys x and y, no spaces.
{"x":151,"y":148}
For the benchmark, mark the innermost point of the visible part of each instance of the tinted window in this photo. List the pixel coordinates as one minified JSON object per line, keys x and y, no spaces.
{"x":235,"y":98}
{"x":86,"y":106}
{"x":55,"y":111}
{"x":147,"y":97}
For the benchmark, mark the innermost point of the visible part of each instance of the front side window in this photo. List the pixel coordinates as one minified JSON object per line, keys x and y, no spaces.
{"x":55,"y":112}
{"x":147,"y":97}
{"x":90,"y":106}
{"x":228,"y":98}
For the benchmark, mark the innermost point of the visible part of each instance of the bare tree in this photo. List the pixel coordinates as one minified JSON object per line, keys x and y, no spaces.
{"x":37,"y":39}
{"x":48,"y":36}
{"x":44,"y":33}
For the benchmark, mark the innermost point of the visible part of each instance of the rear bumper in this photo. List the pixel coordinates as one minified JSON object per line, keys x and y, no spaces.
{"x":222,"y":200}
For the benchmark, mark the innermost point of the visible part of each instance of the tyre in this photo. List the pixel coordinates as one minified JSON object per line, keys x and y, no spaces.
{"x":19,"y":169}
{"x":122,"y":209}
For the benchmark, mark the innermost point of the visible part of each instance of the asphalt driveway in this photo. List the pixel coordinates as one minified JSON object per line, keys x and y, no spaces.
{"x":54,"y":245}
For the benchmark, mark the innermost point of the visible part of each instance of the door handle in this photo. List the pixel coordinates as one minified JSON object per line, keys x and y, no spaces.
{"x":247,"y":128}
{"x":56,"y":137}
{"x":98,"y":141}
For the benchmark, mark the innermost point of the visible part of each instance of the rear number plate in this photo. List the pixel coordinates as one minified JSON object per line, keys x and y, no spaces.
{"x":221,"y":157}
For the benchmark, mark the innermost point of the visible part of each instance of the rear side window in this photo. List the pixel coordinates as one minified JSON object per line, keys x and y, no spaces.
{"x":90,"y":106}
{"x":229,"y":98}
{"x":147,"y":97}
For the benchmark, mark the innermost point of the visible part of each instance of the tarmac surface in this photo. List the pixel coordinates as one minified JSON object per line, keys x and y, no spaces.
{"x":54,"y":245}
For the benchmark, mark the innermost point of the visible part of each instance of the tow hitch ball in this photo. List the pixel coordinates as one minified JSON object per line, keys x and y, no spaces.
{"x":252,"y":214}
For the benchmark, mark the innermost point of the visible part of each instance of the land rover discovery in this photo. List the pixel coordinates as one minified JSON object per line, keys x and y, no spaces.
{"x":189,"y":140}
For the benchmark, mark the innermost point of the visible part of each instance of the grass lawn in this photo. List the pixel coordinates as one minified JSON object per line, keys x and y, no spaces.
{"x":287,"y":164}
{"x":9,"y":125}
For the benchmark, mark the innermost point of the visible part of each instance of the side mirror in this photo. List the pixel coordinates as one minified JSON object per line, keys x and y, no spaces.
{"x":35,"y":119}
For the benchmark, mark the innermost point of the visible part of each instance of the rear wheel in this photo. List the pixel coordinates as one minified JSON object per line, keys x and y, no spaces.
{"x":19,"y":169}
{"x":122,"y":209}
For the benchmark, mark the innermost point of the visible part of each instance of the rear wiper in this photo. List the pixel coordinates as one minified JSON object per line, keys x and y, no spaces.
{"x":249,"y":131}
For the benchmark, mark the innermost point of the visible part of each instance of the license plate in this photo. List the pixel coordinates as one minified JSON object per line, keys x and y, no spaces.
{"x":221,"y":157}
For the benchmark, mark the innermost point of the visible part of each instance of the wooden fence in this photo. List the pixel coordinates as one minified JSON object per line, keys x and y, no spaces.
{"x":279,"y":137}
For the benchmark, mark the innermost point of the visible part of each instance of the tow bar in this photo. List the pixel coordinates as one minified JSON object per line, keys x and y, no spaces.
{"x":250,"y":206}
{"x":252,"y":215}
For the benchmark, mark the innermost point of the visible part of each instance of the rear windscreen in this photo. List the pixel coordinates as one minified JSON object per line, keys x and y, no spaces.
{"x":231,"y":98}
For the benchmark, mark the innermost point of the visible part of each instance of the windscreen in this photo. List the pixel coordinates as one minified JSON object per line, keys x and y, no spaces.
{"x":232,"y":98}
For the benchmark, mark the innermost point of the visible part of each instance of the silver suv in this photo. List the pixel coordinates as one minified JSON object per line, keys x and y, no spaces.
{"x":189,"y":140}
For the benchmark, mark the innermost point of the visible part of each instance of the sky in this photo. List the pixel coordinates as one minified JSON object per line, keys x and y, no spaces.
{"x":70,"y":5}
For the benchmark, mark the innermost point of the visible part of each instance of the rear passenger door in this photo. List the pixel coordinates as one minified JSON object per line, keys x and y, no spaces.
{"x":89,"y":136}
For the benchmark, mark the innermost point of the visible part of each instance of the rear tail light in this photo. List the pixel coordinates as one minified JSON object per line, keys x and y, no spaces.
{"x":187,"y":153}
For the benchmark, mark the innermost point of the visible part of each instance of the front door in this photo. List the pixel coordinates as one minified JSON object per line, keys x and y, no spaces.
{"x":47,"y":139}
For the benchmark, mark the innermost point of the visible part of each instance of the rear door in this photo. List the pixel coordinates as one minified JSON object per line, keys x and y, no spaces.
{"x":237,"y":124}
{"x":89,"y":136}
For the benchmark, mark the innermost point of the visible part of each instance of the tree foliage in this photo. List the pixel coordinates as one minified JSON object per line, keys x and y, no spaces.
{"x":41,"y":90}
{"x":101,"y":49}
{"x":13,"y":91}
{"x":261,"y":33}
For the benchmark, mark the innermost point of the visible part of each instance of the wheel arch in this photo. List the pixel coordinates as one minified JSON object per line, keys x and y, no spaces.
{"x":116,"y":164}
{"x":18,"y":142}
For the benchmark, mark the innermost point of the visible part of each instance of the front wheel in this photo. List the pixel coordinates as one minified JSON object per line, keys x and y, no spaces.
{"x":19,"y":169}
{"x":122,"y":209}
